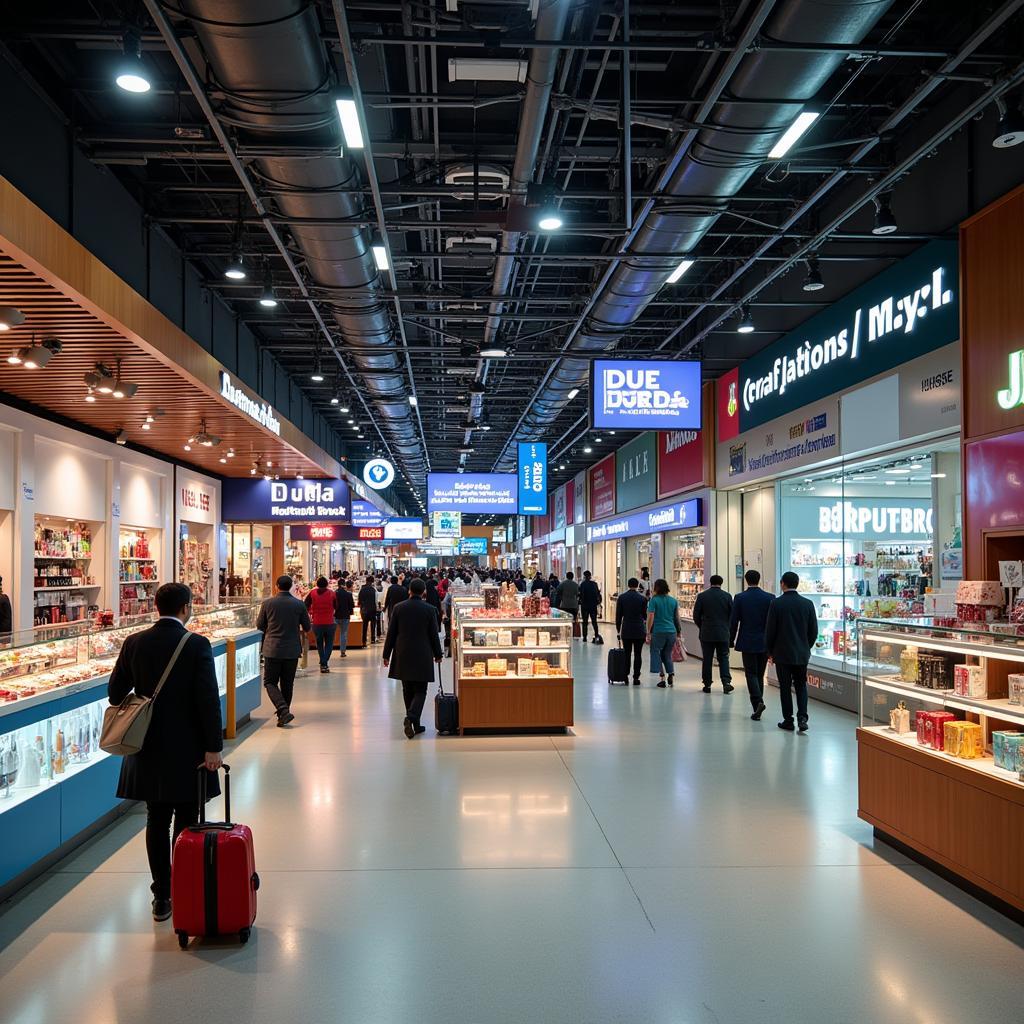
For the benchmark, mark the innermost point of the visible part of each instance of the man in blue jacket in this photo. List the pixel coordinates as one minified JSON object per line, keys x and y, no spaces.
{"x":746,"y":634}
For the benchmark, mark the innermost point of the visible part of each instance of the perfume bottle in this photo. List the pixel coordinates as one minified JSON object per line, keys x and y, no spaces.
{"x":58,"y":754}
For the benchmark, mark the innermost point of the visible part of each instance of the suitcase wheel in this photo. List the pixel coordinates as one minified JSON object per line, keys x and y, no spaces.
{"x":244,"y":934}
{"x":183,"y":940}
{"x":255,"y":882}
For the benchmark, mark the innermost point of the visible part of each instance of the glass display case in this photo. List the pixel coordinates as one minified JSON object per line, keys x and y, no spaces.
{"x":955,"y":692}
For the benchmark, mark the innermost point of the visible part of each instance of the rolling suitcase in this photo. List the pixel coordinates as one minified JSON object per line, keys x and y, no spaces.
{"x":446,"y":710}
{"x":213,"y":875}
{"x":618,"y":666}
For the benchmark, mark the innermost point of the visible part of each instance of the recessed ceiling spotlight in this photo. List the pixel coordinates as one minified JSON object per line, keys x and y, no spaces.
{"x":10,"y":318}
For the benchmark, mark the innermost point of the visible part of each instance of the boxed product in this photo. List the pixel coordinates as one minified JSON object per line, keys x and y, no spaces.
{"x":497,"y":666}
{"x":969,"y":681}
{"x":504,"y":637}
{"x":963,"y":739}
{"x":908,"y":664}
{"x":540,"y":667}
{"x":930,"y":732}
{"x":524,"y":667}
{"x":1015,"y":688}
{"x":479,"y":637}
{"x":492,"y":638}
{"x":530,"y":637}
{"x":478,"y":668}
{"x":492,"y":597}
{"x":1006,"y":747}
{"x":935,"y":671}
{"x":1017,"y":611}
{"x":543,"y":638}
{"x":899,"y":718}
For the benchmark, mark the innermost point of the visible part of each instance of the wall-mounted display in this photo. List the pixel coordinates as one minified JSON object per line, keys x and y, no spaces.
{"x":647,"y":394}
{"x":66,"y":576}
{"x":138,"y":572}
{"x":473,"y":493}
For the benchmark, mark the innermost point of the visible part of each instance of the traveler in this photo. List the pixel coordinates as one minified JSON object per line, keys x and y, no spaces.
{"x":520,"y":582}
{"x":6,"y":616}
{"x":631,"y":624}
{"x":344,"y":609}
{"x":434,"y":600}
{"x":569,"y":598}
{"x":539,"y":584}
{"x":322,"y":604}
{"x":746,"y":634}
{"x":395,"y":593}
{"x":283,"y":620}
{"x":552,"y":591}
{"x":790,"y":632}
{"x":590,"y":602}
{"x":379,"y":617}
{"x":185,"y":730}
{"x":446,"y":621}
{"x":412,"y":639}
{"x":663,"y":629}
{"x":645,"y":581}
{"x":367,"y":600}
{"x":712,"y":612}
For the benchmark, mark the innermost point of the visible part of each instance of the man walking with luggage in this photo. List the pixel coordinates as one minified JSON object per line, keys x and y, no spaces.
{"x":712,"y":612}
{"x":790,"y":633}
{"x":631,"y":625}
{"x":590,"y":602}
{"x":746,"y":634}
{"x":411,"y":640}
{"x":284,"y":621}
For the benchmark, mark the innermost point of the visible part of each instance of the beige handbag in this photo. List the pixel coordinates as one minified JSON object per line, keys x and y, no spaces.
{"x":126,"y":724}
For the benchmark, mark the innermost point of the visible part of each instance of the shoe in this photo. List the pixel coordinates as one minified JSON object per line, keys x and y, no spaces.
{"x":283,"y":720}
{"x":410,"y":731}
{"x":801,"y":725}
{"x":661,"y":684}
{"x":788,"y":726}
{"x":671,"y":680}
{"x":342,"y":655}
{"x":420,"y":728}
{"x":758,"y":711}
{"x":323,"y":669}
{"x":728,"y":687}
{"x":636,"y":682}
{"x":161,"y":910}
{"x":707,"y":689}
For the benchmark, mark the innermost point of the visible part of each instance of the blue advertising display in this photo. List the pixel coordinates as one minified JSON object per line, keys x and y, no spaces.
{"x":365,"y":513}
{"x":645,"y":394}
{"x":679,"y":516}
{"x":286,"y":501}
{"x":473,"y":546}
{"x":533,"y":479}
{"x":472,"y":492}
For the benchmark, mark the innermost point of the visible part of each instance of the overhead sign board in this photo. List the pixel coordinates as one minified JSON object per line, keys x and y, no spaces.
{"x":255,"y":409}
{"x":473,"y":546}
{"x":679,"y":516}
{"x":331,"y":533}
{"x":403,"y":529}
{"x":446,"y":524}
{"x":286,"y":501}
{"x":379,"y":474}
{"x":645,"y":394}
{"x":472,"y":493}
{"x":533,"y":479}
{"x":365,"y":513}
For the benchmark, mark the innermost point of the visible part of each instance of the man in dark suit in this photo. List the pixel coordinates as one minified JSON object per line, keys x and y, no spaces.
{"x":185,"y":730}
{"x":712,"y":612}
{"x":746,"y":634}
{"x":790,"y":633}
{"x":590,"y":604}
{"x":394,"y":595}
{"x":412,"y":639}
{"x":367,"y":601}
{"x":283,"y":620}
{"x":631,"y":624}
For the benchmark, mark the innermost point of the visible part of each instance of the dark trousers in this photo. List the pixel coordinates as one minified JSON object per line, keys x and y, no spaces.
{"x":636,"y":649}
{"x":754,"y":665}
{"x":792,"y":677}
{"x":160,"y":839}
{"x":711,"y":648}
{"x":415,"y":695}
{"x":590,"y":615}
{"x":370,"y":623}
{"x":324,"y":642}
{"x":279,"y":681}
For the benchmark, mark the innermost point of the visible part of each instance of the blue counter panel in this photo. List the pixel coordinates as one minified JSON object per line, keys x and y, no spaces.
{"x":248,"y":697}
{"x":87,"y":796}
{"x":28,"y":833}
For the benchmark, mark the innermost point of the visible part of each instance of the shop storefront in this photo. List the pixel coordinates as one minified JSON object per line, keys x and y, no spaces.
{"x":196,"y":526}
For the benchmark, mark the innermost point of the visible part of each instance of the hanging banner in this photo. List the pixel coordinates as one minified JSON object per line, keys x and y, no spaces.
{"x":560,"y":507}
{"x":680,"y":461}
{"x":580,"y":497}
{"x":636,"y":471}
{"x":533,"y":479}
{"x":645,"y":394}
{"x":602,"y":488}
{"x":481,"y":493}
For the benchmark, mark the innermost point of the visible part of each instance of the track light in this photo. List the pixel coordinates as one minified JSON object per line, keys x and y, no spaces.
{"x":121,"y":437}
{"x":793,"y":134}
{"x":746,"y":324}
{"x":349,"y":117}
{"x":267,"y":297}
{"x":35,"y":357}
{"x":89,"y":396}
{"x":131,"y":73}
{"x":679,"y":271}
{"x":10,"y":318}
{"x":813,"y":281}
{"x":885,"y":220}
{"x":122,"y":388}
{"x":1011,"y":126}
{"x":235,"y":270}
{"x":17,"y":357}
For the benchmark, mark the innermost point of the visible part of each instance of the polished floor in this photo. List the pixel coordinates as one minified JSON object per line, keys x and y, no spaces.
{"x":670,"y":861}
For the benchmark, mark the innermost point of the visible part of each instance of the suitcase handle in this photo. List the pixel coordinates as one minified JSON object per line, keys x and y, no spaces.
{"x":203,"y":823}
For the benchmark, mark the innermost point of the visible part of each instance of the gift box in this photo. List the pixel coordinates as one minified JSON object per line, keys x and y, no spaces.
{"x":935,"y":671}
{"x":969,"y":681}
{"x":977,"y":613}
{"x":479,"y":637}
{"x":908,"y":665}
{"x":530,"y":637}
{"x":1017,"y":611}
{"x":543,"y":638}
{"x":963,"y":739}
{"x":540,"y":667}
{"x":504,"y":637}
{"x":899,"y":718}
{"x":1006,"y":747}
{"x":983,"y":592}
{"x":931,"y":735}
{"x":497,"y":667}
{"x":524,"y":667}
{"x":1015,"y":688}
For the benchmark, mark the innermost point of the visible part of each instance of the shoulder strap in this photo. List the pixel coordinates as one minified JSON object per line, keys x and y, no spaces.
{"x":170,"y":664}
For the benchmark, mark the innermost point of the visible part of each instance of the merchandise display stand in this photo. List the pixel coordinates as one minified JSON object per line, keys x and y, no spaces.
{"x":688,"y":580}
{"x":511,"y":670}
{"x":66,"y":572}
{"x":952,"y":795}
{"x":138,"y":570}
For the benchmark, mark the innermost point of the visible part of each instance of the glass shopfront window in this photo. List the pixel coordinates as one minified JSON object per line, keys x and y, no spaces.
{"x":871,"y":538}
{"x":249,"y":549}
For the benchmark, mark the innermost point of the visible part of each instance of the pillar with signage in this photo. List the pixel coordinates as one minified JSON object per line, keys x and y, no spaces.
{"x":197,"y":505}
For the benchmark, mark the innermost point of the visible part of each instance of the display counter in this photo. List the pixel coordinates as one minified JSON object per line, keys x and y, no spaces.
{"x":512,"y":663}
{"x":56,"y":785}
{"x":941,"y":749}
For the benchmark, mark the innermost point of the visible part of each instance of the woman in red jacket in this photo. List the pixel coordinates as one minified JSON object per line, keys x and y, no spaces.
{"x":321,"y":603}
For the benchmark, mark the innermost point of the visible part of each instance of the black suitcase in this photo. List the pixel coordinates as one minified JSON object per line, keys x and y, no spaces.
{"x":618,"y":666}
{"x":446,"y":711}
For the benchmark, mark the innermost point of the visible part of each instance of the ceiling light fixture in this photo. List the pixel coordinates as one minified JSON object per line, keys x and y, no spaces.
{"x":572,"y":394}
{"x":10,"y":318}
{"x":35,"y":357}
{"x":494,"y":352}
{"x":885,"y":219}
{"x":813,"y":281}
{"x":267,"y":297}
{"x":380,"y":254}
{"x":16,"y":357}
{"x":746,"y":324}
{"x":235,"y":270}
{"x":1010,"y":131}
{"x":121,"y":436}
{"x":131,"y":73}
{"x":793,"y":134}
{"x":938,"y":476}
{"x":318,"y":371}
{"x":413,"y":401}
{"x":89,"y":396}
{"x":349,"y":117}
{"x":550,"y":220}
{"x":587,"y":450}
{"x":679,"y":271}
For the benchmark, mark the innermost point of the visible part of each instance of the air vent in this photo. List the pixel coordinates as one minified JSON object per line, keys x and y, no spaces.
{"x":494,"y":181}
{"x":474,"y":251}
{"x":486,"y":69}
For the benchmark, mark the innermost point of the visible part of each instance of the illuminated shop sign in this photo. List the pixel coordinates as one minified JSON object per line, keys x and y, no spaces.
{"x":364,"y":513}
{"x":1013,"y":394}
{"x":885,"y":520}
{"x":533,"y":479}
{"x":256,"y":410}
{"x":678,"y":516}
{"x":472,"y":492}
{"x":262,"y":501}
{"x":648,"y":394}
{"x":473,"y":546}
{"x":379,"y":474}
{"x":906,"y":311}
{"x":446,"y":524}
{"x":403,"y":529}
{"x":369,"y":533}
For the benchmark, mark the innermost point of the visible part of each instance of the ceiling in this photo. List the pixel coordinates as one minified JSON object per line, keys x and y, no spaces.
{"x":236,"y":148}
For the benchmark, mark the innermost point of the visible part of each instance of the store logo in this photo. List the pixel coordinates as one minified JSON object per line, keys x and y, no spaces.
{"x":371,"y":532}
{"x":637,"y":391}
{"x":379,"y":474}
{"x":191,"y":498}
{"x":676,"y":439}
{"x":1013,"y":395}
{"x":636,"y":466}
{"x":845,"y":517}
{"x":310,"y":491}
{"x":322,"y":533}
{"x":262,"y":413}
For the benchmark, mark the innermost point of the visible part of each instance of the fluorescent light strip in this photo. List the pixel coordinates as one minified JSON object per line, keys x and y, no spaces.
{"x":380,"y":255}
{"x":793,"y":133}
{"x":978,"y":650}
{"x":349,"y":117}
{"x":679,"y":271}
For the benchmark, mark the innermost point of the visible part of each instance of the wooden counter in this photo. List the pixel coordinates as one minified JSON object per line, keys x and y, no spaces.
{"x":514,"y":702}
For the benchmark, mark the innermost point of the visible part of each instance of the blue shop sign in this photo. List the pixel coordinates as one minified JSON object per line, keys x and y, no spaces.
{"x":533,"y":479}
{"x":480,"y":493}
{"x":365,"y":513}
{"x":678,"y":516}
{"x":286,"y":501}
{"x":645,"y":394}
{"x":473,"y":546}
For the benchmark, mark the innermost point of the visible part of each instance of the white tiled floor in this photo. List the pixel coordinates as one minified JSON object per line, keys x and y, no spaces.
{"x":670,"y":861}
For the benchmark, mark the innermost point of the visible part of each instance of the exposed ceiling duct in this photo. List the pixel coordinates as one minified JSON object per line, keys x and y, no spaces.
{"x":717,"y":162}
{"x":268,"y":59}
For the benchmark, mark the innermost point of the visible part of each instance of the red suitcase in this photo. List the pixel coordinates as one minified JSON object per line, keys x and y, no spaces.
{"x":213,"y":875}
